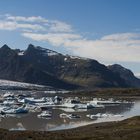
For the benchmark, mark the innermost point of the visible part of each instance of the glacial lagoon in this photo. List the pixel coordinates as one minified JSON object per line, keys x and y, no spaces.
{"x":30,"y":121}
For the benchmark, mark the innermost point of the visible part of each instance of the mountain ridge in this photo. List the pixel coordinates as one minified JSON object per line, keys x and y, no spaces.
{"x":39,"y":65}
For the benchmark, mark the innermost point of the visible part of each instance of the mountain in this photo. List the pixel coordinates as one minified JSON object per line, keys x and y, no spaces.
{"x":125,"y":74}
{"x":43,"y":66}
{"x":28,"y":66}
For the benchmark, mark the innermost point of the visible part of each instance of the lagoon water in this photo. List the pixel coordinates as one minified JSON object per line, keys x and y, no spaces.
{"x":30,"y":121}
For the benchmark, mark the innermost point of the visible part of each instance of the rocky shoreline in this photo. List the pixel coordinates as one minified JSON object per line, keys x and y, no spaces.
{"x":122,"y":130}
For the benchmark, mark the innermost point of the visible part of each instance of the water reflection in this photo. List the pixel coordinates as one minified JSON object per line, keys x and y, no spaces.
{"x":31,"y":122}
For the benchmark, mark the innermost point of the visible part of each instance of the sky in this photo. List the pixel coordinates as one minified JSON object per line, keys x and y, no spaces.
{"x":105,"y":30}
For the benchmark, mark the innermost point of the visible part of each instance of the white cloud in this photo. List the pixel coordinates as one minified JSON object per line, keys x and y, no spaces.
{"x":26,"y":19}
{"x":121,"y":36}
{"x":56,"y":39}
{"x":34,"y":27}
{"x":36,"y":21}
{"x":8,"y":25}
{"x":58,"y":26}
{"x":113,"y":48}
{"x":123,"y":47}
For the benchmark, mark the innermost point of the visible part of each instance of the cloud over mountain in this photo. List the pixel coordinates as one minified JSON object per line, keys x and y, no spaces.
{"x":118,"y":47}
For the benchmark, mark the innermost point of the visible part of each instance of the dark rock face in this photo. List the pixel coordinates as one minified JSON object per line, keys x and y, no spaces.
{"x":125,"y":74}
{"x":47,"y":67}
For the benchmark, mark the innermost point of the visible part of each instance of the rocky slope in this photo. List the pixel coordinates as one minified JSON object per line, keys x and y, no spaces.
{"x":43,"y":66}
{"x":125,"y":74}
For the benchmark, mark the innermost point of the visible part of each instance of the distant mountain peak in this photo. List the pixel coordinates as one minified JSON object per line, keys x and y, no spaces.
{"x":5,"y":50}
{"x":5,"y":47}
{"x":39,"y":50}
{"x":30,"y":47}
{"x":125,"y":74}
{"x":118,"y":67}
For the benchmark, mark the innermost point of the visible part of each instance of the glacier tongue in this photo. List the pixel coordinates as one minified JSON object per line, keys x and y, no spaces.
{"x":8,"y":84}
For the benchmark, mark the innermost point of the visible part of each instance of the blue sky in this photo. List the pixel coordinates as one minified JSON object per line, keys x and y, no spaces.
{"x":106,"y":30}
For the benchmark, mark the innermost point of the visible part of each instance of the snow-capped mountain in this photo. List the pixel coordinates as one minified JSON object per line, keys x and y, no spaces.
{"x":42,"y":66}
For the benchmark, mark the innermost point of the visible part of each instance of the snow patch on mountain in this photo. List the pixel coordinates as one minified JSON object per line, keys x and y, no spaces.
{"x":47,"y":52}
{"x":21,"y":53}
{"x":77,"y":57}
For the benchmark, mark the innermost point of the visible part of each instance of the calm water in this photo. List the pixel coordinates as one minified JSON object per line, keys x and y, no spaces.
{"x":31,"y":122}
